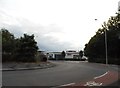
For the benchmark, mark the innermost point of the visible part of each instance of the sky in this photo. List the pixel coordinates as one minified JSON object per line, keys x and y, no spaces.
{"x":57,"y":24}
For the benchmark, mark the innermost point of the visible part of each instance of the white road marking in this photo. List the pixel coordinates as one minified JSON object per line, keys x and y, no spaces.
{"x":92,"y":83}
{"x":68,"y":84}
{"x":101,"y":75}
{"x":63,"y":85}
{"x":89,"y":83}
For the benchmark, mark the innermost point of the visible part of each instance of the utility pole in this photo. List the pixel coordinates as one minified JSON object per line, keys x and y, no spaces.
{"x":106,"y":53}
{"x":106,"y":50}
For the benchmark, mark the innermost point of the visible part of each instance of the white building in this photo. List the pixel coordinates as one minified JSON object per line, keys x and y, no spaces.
{"x":71,"y":54}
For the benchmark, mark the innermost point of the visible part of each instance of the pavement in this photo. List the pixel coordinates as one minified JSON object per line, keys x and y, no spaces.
{"x":13,"y":66}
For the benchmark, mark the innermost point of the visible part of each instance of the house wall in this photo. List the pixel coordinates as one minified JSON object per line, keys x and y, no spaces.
{"x":69,"y":55}
{"x":72,"y":56}
{"x":51,"y":55}
{"x":54,"y":54}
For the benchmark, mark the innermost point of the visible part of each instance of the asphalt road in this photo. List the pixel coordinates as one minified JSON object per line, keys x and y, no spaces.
{"x":63,"y":73}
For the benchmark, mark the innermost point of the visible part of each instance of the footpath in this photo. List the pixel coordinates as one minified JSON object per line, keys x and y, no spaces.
{"x":26,"y":66}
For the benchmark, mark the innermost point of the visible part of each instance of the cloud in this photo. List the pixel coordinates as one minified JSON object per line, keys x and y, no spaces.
{"x":49,"y":38}
{"x":56,"y":24}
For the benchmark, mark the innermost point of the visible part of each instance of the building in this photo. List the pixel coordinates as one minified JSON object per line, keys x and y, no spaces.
{"x":54,"y":55}
{"x":71,"y":54}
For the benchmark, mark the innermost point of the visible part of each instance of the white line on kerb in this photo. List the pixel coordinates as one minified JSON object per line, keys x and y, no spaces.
{"x":68,"y":84}
{"x":101,"y":75}
{"x":63,"y":85}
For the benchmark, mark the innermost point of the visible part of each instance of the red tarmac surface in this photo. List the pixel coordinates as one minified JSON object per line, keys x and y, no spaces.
{"x":103,"y":80}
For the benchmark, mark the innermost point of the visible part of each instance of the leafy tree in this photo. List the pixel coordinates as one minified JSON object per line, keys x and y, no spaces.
{"x":8,"y":45}
{"x":27,"y":48}
{"x":18,"y":49}
{"x":81,"y":53}
{"x":95,"y":48}
{"x":63,"y":54}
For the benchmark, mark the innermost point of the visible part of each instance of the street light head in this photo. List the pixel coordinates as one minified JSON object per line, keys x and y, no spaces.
{"x":95,"y":19}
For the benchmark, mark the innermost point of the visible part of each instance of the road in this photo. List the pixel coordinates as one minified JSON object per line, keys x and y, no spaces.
{"x":64,"y":73}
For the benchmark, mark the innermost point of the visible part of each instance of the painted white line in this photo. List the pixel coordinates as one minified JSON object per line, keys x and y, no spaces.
{"x":63,"y":85}
{"x":93,"y":83}
{"x":68,"y":84}
{"x":101,"y":75}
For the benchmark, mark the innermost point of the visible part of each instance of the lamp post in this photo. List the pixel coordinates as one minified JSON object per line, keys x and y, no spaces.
{"x":106,"y":52}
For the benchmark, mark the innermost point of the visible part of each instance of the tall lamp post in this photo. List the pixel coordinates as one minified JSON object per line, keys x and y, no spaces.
{"x":106,"y":51}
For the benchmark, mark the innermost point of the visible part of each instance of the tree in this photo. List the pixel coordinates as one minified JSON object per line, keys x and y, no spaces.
{"x":27,"y":48}
{"x":18,"y":49}
{"x":8,"y":44}
{"x":81,"y":53}
{"x":95,"y":48}
{"x":63,"y":54}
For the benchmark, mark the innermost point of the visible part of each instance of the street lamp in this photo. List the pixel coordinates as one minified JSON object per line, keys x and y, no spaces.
{"x":106,"y":53}
{"x":106,"y":50}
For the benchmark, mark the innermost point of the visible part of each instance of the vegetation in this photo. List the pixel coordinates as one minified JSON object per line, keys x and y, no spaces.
{"x":8,"y":45}
{"x":21,"y":49}
{"x":95,"y":49}
{"x":81,"y":53}
{"x":63,"y":54}
{"x":27,"y":48}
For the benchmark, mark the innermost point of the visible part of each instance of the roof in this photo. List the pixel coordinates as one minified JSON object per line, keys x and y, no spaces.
{"x":71,"y":51}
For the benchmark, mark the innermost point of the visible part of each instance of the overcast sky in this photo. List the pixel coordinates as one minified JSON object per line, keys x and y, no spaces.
{"x":57,"y":24}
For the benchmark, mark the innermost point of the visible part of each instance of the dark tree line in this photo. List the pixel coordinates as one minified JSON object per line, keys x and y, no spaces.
{"x":21,"y":49}
{"x":95,"y":48}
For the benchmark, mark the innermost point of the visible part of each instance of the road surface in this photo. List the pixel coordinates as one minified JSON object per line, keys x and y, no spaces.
{"x":64,"y":73}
